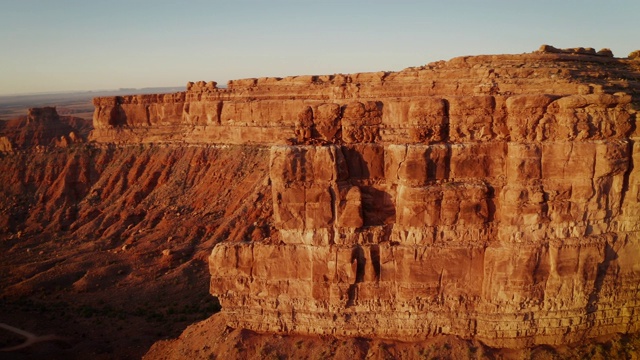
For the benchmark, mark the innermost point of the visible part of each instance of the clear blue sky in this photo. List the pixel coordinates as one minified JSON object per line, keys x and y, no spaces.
{"x":60,"y":45}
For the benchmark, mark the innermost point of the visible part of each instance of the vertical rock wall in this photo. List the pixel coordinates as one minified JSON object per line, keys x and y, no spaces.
{"x":494,"y":197}
{"x":524,"y":237}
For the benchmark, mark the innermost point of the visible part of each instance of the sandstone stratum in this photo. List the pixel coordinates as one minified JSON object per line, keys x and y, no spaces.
{"x":492,"y":198}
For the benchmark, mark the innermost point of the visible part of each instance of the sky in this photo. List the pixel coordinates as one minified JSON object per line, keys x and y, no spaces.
{"x":68,"y":45}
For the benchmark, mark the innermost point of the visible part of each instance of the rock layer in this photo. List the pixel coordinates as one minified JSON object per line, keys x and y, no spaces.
{"x":493,"y":197}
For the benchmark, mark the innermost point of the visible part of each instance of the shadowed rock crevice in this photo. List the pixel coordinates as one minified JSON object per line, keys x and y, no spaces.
{"x":610,"y":255}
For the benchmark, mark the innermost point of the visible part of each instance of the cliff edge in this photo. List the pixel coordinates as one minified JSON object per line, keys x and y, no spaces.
{"x":490,"y":197}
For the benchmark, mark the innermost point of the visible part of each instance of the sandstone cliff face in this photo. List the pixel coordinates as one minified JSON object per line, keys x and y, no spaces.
{"x":493,"y":197}
{"x":460,"y":100}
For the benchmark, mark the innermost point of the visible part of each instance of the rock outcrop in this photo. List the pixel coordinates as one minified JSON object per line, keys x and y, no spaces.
{"x":488,"y":197}
{"x":5,"y":145}
{"x":42,"y":127}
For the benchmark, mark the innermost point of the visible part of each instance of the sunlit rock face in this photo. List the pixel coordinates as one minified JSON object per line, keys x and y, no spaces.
{"x":494,"y":197}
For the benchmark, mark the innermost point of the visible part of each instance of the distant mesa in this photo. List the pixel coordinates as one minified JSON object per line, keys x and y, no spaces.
{"x":44,"y":114}
{"x":42,"y":127}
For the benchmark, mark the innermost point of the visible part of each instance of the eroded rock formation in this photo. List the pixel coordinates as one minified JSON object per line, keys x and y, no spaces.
{"x":42,"y":127}
{"x":489,"y":197}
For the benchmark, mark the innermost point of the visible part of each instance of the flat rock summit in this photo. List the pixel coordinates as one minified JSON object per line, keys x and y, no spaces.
{"x":492,"y":199}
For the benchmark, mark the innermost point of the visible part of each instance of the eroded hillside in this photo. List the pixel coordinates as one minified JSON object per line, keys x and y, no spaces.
{"x":108,"y":245}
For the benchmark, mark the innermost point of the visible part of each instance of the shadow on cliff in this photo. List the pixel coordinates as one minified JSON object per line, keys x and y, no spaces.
{"x":610,"y":255}
{"x":378,"y":206}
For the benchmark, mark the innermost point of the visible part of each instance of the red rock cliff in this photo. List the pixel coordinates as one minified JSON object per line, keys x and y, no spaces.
{"x":494,"y":197}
